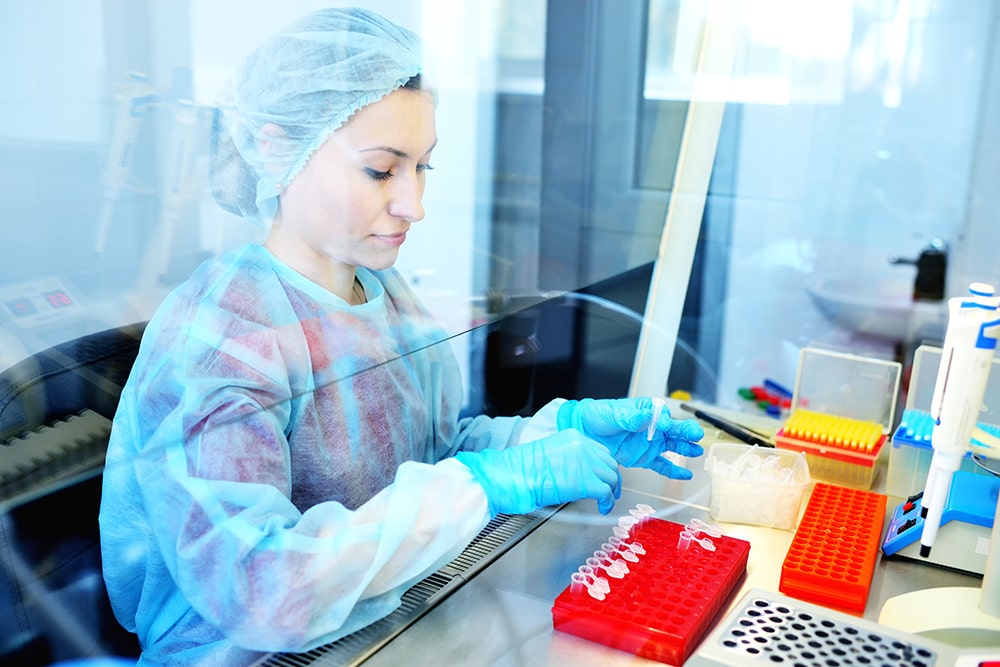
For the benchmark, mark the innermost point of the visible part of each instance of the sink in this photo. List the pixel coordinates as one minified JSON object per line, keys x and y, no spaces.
{"x":880,"y":308}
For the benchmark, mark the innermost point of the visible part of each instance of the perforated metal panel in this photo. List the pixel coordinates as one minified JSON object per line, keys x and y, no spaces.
{"x":770,"y":629}
{"x":497,"y":537}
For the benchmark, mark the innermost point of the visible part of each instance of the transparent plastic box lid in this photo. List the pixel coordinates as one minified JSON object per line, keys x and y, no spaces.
{"x":847,"y":385}
{"x":923,"y":377}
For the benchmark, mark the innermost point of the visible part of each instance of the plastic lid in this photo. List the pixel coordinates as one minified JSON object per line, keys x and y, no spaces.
{"x":847,"y":385}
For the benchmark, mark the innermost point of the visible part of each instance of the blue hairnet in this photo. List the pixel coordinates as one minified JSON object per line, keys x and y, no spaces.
{"x":293,"y":91}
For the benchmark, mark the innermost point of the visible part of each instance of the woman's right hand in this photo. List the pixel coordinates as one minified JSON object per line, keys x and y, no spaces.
{"x":560,"y":468}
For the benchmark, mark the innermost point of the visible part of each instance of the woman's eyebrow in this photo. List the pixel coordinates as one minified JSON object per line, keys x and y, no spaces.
{"x":388,"y":149}
{"x":395,"y":151}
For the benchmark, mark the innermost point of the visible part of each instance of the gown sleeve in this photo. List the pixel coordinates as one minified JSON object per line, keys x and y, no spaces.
{"x":474,"y":434}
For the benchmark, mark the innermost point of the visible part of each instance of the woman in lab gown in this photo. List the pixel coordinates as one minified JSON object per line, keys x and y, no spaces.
{"x":288,"y":457}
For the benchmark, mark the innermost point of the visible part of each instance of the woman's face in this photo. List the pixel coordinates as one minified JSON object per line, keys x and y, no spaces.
{"x":360,"y":191}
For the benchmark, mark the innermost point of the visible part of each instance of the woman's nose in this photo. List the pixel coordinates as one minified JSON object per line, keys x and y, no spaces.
{"x":407,"y":201}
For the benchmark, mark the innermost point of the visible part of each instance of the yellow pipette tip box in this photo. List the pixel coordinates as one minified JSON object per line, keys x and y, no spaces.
{"x":843,"y":408}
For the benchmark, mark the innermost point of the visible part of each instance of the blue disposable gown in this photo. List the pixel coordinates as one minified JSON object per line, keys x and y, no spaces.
{"x":278,"y":471}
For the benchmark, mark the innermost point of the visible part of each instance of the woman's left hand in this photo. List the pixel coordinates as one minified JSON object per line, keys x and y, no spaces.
{"x":622,"y":424}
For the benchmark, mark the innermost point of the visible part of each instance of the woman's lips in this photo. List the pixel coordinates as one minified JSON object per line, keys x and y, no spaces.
{"x":391,"y":239}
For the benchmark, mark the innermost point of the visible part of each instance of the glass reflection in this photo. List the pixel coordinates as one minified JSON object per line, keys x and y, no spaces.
{"x":856,"y":140}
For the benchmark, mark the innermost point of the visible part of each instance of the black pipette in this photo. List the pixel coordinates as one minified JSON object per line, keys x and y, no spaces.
{"x":739,"y":432}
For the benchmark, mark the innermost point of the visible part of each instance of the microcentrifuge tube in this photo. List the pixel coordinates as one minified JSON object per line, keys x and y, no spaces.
{"x":624,"y":553}
{"x":630,"y":524}
{"x":591,"y":574}
{"x":619,"y":543}
{"x":710,"y":529}
{"x":686,"y":537}
{"x":638,"y":548}
{"x":658,"y":404}
{"x":620,"y":532}
{"x":607,"y":566}
{"x":606,"y":558}
{"x":644,"y":509}
{"x":580,"y":582}
{"x":705,"y":543}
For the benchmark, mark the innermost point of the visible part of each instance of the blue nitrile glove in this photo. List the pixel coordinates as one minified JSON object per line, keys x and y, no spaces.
{"x":621,"y":424}
{"x":560,"y":468}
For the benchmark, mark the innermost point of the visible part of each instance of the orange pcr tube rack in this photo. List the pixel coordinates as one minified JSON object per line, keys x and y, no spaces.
{"x":832,"y":556}
{"x":664,"y":605}
{"x":837,"y":449}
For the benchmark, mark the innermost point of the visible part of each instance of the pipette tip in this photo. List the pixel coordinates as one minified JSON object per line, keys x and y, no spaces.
{"x":658,"y":404}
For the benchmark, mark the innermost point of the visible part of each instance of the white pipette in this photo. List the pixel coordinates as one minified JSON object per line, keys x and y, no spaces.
{"x":958,"y":396}
{"x":131,"y":103}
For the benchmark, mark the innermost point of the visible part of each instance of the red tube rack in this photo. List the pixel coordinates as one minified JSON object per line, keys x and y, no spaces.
{"x":832,"y":556}
{"x":664,"y":606}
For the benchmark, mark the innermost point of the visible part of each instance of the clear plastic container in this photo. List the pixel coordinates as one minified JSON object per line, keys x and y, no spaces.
{"x":847,"y":385}
{"x":756,"y":485}
{"x":842,"y":392}
{"x":911,"y":452}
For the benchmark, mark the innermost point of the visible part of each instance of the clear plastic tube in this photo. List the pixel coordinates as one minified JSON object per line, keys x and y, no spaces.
{"x":658,"y":404}
{"x":640,"y":514}
{"x":698,"y":526}
{"x":644,"y":509}
{"x":608,"y":567}
{"x":687,"y":537}
{"x":684,"y":539}
{"x":600,"y":582}
{"x":624,"y":553}
{"x":606,"y":559}
{"x":580,"y":583}
{"x":621,"y":544}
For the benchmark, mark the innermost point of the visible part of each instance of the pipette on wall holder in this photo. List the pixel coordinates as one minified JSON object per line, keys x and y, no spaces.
{"x":131,"y":102}
{"x":969,"y":345}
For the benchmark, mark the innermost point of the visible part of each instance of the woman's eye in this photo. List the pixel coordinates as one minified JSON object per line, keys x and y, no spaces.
{"x":424,"y":167}
{"x":378,"y":175}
